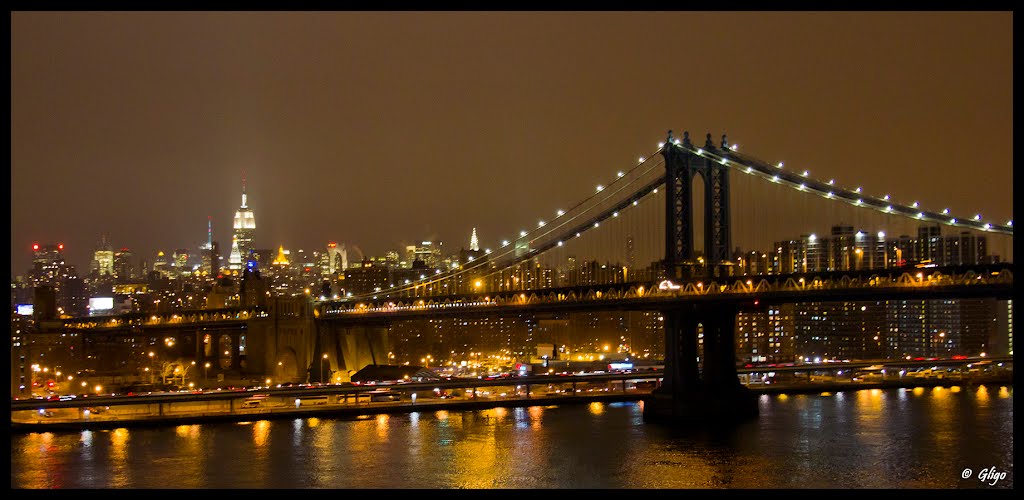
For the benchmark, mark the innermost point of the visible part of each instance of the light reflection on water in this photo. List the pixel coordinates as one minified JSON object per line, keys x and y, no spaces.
{"x":898,"y":438}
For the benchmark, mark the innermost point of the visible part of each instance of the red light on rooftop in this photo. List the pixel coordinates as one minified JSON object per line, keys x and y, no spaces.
{"x":332,"y":244}
{"x":61,"y":246}
{"x":35,"y":246}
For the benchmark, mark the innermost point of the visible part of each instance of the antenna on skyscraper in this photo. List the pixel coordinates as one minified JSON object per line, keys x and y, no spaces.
{"x":243,"y":188}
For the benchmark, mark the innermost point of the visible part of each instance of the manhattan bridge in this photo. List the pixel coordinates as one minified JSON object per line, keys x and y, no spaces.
{"x":696,"y":231}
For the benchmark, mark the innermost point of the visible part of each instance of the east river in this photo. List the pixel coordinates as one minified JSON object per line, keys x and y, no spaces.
{"x":892,"y":438}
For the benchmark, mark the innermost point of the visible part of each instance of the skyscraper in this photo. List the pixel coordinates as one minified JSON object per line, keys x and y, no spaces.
{"x":235,"y":257}
{"x":206,"y":250}
{"x":103,"y":258}
{"x":474,"y":243}
{"x":245,"y":228}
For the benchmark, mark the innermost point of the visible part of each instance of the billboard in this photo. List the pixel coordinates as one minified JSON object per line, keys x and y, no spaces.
{"x":24,"y":309}
{"x":101,"y":304}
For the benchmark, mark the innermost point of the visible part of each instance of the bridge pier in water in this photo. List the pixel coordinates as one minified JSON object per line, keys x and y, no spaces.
{"x":689,"y":394}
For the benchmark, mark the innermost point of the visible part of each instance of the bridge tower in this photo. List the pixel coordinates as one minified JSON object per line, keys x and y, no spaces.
{"x":687,"y":392}
{"x":681,"y":166}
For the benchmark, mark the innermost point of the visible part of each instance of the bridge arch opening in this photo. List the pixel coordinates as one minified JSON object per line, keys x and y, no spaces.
{"x":697,"y":201}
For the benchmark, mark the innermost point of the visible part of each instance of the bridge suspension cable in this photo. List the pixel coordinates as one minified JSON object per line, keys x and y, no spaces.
{"x":626,"y":190}
{"x":741,"y":162}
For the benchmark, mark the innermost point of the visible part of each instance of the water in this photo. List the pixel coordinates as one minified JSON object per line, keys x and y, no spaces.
{"x":896,"y":438}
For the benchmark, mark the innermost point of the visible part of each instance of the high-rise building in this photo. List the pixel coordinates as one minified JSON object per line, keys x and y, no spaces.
{"x":929,"y":241}
{"x":335,"y":260}
{"x":429,"y":252}
{"x":206,"y":251}
{"x":180,"y":262}
{"x":940,"y":328}
{"x":235,"y":257}
{"x":44,"y":254}
{"x":962,"y":250}
{"x":1002,"y":345}
{"x":123,"y":268}
{"x":214,"y":258}
{"x":103,"y":259}
{"x":244,"y":228}
{"x":161,"y":264}
{"x":474,"y":243}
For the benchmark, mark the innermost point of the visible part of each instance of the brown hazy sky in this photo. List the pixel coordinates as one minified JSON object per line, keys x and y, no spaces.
{"x":380,"y":128}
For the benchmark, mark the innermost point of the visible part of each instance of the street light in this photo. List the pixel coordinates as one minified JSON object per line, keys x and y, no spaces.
{"x":206,"y":367}
{"x":322,"y":368}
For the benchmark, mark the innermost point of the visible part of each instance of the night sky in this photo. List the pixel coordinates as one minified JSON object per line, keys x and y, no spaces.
{"x":378,"y":129}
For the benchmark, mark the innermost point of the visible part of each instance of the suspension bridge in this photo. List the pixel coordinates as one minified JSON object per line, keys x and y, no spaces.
{"x":697,"y":232}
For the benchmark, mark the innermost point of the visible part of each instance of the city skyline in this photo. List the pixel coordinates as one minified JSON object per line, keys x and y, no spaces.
{"x":421,"y":143}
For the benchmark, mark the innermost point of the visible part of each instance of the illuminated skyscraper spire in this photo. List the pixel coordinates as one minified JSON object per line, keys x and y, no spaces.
{"x":244,"y":226}
{"x":474,"y":243}
{"x":209,"y":232}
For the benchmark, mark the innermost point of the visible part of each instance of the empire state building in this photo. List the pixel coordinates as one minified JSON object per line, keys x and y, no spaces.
{"x":245,"y":230}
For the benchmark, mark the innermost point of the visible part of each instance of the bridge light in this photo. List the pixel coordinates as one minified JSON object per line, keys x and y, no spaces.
{"x":779,"y":165}
{"x":988,"y":226}
{"x":859,"y":234}
{"x":812,"y":237}
{"x":724,"y":161}
{"x":952,"y":221}
{"x":597,"y":224}
{"x":829,"y":194}
{"x":888,"y":208}
{"x":945,"y":211}
{"x":735,"y":147}
{"x":1009,"y":223}
{"x":661,"y":144}
{"x":802,"y":187}
{"x":977,"y":217}
{"x":920,"y":215}
{"x":655,"y":190}
{"x":914,"y":204}
{"x":859,"y":201}
{"x":559,"y":243}
{"x":504,"y":243}
{"x":560,"y":213}
{"x":886,"y":197}
{"x":540,"y":224}
{"x":615,"y":214}
{"x":881,"y":234}
{"x":806,"y":173}
{"x":700,"y":151}
{"x":577,"y":235}
{"x":522,"y":233}
{"x":634,"y":203}
{"x":857,"y":190}
{"x":487,"y":251}
{"x":750,"y":169}
{"x":831,"y":182}
{"x":620,"y":174}
{"x":641,"y":159}
{"x":775,"y":179}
